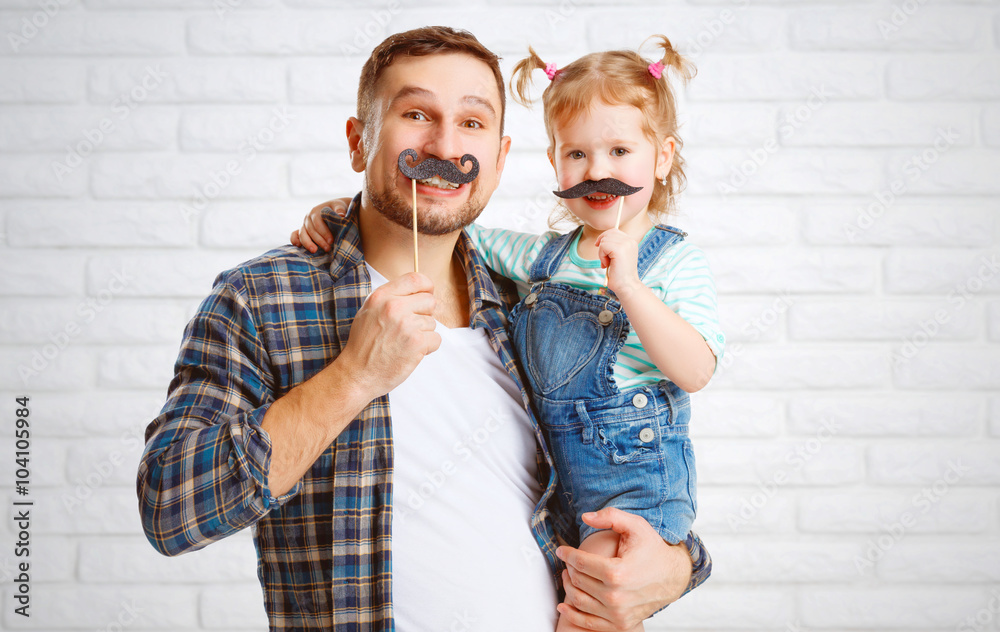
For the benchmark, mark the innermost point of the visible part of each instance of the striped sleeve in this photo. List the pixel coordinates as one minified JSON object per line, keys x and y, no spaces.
{"x":509,"y":252}
{"x":683,"y":281}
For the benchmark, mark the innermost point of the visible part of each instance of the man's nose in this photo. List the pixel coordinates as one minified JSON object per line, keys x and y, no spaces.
{"x":443,"y":143}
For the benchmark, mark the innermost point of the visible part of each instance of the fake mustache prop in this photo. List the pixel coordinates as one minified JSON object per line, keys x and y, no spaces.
{"x":431,"y":167}
{"x":611,"y":186}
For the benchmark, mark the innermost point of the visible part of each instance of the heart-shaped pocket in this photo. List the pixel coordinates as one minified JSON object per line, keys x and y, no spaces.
{"x":560,"y":346}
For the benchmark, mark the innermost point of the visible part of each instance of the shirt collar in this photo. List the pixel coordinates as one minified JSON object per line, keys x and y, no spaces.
{"x":483,"y":293}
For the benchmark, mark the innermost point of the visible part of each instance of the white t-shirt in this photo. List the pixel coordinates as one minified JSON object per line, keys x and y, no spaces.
{"x":464,"y":489}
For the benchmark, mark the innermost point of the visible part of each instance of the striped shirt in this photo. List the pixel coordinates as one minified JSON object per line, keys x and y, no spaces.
{"x":324,"y":548}
{"x":680,"y":278}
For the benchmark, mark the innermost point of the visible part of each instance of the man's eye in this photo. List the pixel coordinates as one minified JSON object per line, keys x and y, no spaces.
{"x":473,"y":124}
{"x":416,"y":116}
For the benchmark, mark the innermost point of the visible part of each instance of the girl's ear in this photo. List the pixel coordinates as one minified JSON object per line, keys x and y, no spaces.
{"x":665,"y":158}
{"x":552,"y":160}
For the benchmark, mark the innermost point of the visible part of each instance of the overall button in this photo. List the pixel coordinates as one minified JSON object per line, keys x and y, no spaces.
{"x":646,"y":435}
{"x":530,"y":299}
{"x":640,"y":401}
{"x":606,"y":317}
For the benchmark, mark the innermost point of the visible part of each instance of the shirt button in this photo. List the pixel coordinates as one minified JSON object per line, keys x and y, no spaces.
{"x":605,"y":317}
{"x":646,"y":435}
{"x":530,"y":299}
{"x":640,"y":401}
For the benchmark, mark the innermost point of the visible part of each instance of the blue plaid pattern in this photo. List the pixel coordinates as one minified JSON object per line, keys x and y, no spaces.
{"x":324,"y":550}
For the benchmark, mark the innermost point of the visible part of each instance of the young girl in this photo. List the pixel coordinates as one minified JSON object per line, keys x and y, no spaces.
{"x":610,"y":355}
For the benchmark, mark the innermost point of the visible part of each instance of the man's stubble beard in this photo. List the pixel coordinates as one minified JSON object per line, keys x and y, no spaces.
{"x":399,"y":211}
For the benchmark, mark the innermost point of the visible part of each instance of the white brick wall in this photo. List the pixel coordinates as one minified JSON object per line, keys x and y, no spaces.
{"x":843,"y":159}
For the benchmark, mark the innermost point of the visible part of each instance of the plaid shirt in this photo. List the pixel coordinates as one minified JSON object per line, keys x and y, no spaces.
{"x":324,"y":548}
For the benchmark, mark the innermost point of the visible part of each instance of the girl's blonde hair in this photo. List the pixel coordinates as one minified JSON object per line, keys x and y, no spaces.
{"x":618,"y":77}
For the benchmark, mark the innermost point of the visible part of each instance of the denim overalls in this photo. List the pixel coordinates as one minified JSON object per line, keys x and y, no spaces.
{"x":611,"y":448}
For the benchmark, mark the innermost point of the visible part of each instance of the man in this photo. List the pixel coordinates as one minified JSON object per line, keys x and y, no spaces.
{"x":278,"y":417}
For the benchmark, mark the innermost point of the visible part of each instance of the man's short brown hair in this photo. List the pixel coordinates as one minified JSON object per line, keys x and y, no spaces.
{"x":428,"y":40}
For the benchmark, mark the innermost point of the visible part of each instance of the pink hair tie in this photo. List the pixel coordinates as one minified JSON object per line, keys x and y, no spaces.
{"x":550,"y":71}
{"x":656,"y":69}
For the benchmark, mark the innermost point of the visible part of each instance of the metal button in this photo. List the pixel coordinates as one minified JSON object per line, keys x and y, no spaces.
{"x":606,"y":317}
{"x":530,"y":299}
{"x":640,"y":401}
{"x":646,"y":435}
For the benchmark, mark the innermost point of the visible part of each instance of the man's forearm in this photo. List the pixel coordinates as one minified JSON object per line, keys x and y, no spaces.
{"x":303,"y":423}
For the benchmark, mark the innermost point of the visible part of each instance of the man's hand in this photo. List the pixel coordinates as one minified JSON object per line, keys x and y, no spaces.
{"x":392,"y":332}
{"x":618,"y":593}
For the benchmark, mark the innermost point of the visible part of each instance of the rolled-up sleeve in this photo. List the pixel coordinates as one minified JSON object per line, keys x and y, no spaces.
{"x":203,"y":473}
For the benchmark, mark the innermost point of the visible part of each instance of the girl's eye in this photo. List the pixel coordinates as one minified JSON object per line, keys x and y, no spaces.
{"x":576,"y":155}
{"x":619,"y":151}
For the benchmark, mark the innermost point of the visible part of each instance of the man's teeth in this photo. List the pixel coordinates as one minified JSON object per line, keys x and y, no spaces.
{"x":438,"y":182}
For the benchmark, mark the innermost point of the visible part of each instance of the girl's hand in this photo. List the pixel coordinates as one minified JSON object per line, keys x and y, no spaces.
{"x":619,"y":253}
{"x":314,"y":233}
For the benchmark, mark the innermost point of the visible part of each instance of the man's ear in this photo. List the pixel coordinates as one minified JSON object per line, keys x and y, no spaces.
{"x":502,"y":156}
{"x":356,"y":143}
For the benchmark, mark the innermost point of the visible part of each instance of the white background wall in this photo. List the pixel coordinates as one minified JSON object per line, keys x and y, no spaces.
{"x":849,"y":451}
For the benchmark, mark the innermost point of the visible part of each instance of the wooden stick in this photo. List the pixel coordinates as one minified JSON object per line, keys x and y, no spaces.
{"x":416,"y":260}
{"x":618,"y":221}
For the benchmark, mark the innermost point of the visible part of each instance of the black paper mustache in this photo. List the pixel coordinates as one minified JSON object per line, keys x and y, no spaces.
{"x":611,"y":186}
{"x":431,"y":167}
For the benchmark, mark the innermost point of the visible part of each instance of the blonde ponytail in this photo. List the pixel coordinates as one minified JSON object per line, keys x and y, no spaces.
{"x":681,"y":66}
{"x":520,"y":80}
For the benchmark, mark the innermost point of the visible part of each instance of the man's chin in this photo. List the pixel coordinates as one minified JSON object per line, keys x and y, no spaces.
{"x":436,"y":220}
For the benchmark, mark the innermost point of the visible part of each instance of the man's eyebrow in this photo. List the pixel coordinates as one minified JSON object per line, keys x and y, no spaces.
{"x":481,"y":102}
{"x":409,"y":91}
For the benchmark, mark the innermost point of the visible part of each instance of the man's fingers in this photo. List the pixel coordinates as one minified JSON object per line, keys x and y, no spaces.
{"x":615,"y":519}
{"x":597,"y":566}
{"x":409,"y":283}
{"x":584,"y":620}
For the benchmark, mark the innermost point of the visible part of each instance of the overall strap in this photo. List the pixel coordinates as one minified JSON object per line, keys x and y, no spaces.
{"x":551,"y":255}
{"x":655,"y":243}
